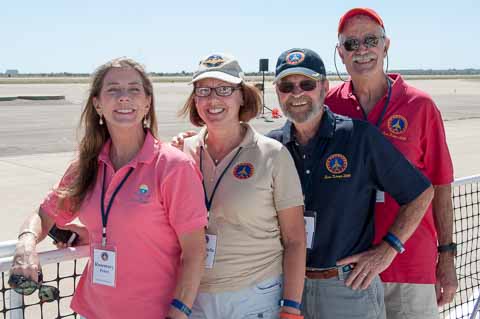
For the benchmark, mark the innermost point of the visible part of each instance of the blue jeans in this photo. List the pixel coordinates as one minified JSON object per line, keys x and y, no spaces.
{"x":258,"y":301}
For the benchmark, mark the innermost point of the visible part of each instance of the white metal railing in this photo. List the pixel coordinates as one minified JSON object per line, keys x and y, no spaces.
{"x":7,"y":249}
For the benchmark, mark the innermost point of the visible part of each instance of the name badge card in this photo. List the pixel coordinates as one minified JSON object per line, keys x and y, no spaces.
{"x":104,"y":265}
{"x":310,"y":218}
{"x":211,"y":250}
{"x":380,"y":197}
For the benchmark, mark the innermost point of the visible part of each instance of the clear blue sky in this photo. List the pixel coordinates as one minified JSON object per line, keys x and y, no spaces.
{"x":170,"y":36}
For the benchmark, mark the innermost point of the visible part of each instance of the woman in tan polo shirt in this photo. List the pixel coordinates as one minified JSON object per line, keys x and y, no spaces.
{"x":255,"y":263}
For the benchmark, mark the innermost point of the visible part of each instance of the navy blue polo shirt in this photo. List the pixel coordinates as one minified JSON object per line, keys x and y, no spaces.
{"x":341,"y":168}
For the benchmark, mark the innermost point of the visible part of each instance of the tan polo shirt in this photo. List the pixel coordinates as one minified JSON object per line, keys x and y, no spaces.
{"x":261,"y":181}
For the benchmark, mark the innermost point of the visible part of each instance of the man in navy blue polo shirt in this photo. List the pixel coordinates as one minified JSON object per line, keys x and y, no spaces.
{"x":342,"y":162}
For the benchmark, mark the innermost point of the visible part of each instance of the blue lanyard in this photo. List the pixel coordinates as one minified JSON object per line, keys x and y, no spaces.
{"x":106,"y":213}
{"x":208,"y":202}
{"x":387,"y":101}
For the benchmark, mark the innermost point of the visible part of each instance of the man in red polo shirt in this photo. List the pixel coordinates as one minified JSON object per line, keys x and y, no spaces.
{"x":424,"y":275}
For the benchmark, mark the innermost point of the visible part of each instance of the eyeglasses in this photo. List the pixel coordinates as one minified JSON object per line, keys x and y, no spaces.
{"x":305,"y":85}
{"x":26,"y":287}
{"x":219,"y":91}
{"x":353,"y":44}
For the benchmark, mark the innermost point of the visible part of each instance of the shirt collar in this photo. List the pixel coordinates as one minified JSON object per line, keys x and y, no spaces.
{"x":146,"y":154}
{"x":346,"y":90}
{"x":326,"y":129}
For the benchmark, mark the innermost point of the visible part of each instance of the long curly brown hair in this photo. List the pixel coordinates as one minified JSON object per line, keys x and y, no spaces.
{"x":83,"y":171}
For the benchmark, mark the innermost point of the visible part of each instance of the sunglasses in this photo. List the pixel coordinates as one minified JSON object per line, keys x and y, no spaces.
{"x":305,"y":85}
{"x":219,"y":91}
{"x":353,"y":44}
{"x":25,"y":286}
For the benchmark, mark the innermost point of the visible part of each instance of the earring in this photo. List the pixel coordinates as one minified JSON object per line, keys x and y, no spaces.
{"x":145,"y":122}
{"x":101,"y":119}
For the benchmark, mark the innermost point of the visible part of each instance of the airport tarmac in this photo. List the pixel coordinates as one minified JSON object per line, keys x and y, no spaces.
{"x":37,"y":139}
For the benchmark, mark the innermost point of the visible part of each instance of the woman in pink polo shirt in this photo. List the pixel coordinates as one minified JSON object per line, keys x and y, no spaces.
{"x":255,"y":264}
{"x":140,"y":199}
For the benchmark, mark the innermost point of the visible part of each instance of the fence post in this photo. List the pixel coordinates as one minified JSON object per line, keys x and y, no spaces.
{"x":16,"y":300}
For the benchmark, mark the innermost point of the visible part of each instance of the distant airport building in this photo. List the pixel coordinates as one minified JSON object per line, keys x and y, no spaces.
{"x":11,"y":72}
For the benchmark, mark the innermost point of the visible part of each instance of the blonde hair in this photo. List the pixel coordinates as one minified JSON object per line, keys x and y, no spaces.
{"x":83,"y":172}
{"x":252,"y":105}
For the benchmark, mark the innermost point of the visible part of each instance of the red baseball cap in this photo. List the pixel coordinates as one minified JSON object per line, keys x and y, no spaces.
{"x":359,"y":11}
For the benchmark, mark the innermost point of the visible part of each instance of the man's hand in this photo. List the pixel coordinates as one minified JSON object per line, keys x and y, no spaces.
{"x":177,"y":141}
{"x":447,"y":282}
{"x":368,"y":265}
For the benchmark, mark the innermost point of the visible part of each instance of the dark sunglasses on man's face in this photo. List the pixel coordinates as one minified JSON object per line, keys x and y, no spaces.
{"x":353,"y":44}
{"x":288,"y":87}
{"x":25,"y":286}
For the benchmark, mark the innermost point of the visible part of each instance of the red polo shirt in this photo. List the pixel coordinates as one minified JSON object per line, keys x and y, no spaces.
{"x":414,"y":125}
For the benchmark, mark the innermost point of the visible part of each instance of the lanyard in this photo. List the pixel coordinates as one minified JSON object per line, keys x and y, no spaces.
{"x":208,"y":202}
{"x":104,"y":212}
{"x":387,"y":101}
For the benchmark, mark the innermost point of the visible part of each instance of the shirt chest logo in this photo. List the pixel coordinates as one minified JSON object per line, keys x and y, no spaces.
{"x":397,"y":124}
{"x":336,"y":164}
{"x":243,"y":170}
{"x":142,"y":194}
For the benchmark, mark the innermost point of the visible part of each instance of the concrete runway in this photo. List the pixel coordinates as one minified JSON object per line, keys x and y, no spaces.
{"x":37,"y":138}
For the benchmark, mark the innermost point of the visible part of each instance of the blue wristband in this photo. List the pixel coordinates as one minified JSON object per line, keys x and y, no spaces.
{"x":289,"y":303}
{"x":393,"y":241}
{"x":181,"y":306}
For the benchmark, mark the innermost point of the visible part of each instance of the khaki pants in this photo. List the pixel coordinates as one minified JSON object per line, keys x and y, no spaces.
{"x":412,"y":301}
{"x":331,"y":299}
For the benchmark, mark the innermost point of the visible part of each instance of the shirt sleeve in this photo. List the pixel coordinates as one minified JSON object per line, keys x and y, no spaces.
{"x":438,"y":163}
{"x":287,"y":190}
{"x":391,"y":171}
{"x":182,"y":191}
{"x":50,"y":202}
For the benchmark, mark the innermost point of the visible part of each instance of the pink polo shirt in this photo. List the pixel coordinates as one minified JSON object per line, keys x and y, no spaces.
{"x":414,"y":125}
{"x":160,"y":201}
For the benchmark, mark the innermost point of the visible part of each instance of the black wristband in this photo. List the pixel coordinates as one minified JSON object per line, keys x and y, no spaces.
{"x":452,"y":247}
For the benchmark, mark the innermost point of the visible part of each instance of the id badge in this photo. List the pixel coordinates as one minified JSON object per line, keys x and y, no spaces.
{"x":211,"y":250}
{"x":380,"y":197}
{"x":104,"y":266}
{"x":310,"y":218}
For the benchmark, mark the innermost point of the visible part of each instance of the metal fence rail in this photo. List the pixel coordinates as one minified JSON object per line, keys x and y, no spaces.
{"x":62,"y":268}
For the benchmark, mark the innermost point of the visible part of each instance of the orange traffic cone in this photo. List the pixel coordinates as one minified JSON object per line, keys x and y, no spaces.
{"x":276,"y":113}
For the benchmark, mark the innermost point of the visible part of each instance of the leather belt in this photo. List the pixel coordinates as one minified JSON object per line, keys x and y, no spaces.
{"x":322,"y":274}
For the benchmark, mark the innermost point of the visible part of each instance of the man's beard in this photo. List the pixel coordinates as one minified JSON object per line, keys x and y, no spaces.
{"x":309,"y":110}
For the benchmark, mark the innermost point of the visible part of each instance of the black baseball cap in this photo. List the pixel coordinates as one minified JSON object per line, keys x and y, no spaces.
{"x":300,"y":61}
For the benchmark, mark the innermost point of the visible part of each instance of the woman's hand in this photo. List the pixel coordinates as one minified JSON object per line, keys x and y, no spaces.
{"x":25,"y":261}
{"x":177,"y":141}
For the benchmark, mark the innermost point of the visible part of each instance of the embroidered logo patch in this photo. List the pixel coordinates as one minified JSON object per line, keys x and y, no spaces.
{"x":143,"y":189}
{"x":397,"y":124}
{"x":213,"y":61}
{"x":336,"y":163}
{"x":243,"y":170}
{"x":142,"y":194}
{"x":294,"y":58}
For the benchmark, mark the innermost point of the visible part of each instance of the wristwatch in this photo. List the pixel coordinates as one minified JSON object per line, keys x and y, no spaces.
{"x":452,"y":248}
